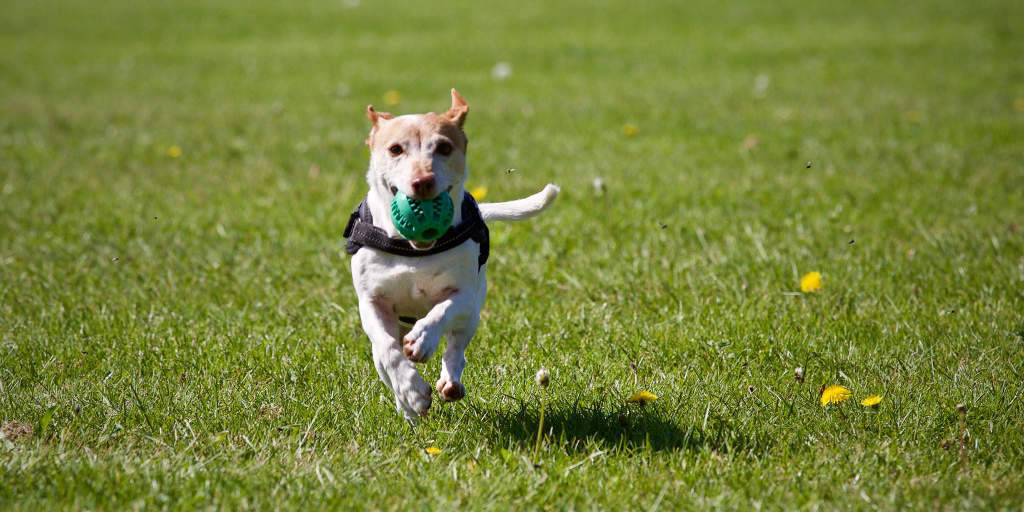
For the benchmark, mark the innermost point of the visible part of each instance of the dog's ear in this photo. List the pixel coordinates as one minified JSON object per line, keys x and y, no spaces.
{"x":458,"y":110}
{"x":375,"y":118}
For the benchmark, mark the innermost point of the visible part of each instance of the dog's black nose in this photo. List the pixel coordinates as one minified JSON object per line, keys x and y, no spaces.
{"x":423,"y":186}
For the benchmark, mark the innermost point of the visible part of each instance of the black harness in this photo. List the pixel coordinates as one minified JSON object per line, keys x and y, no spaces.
{"x":361,"y":232}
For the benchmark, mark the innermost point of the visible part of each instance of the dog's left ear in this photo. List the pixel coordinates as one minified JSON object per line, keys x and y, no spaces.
{"x":458,"y":110}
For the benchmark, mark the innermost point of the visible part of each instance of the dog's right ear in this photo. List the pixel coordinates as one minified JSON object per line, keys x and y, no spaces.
{"x":375,"y":118}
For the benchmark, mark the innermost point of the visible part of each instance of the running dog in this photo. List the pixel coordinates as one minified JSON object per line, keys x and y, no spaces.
{"x":413,"y":293}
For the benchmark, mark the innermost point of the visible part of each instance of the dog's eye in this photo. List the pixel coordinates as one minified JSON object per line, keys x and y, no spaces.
{"x":444,"y":148}
{"x":395,"y":149}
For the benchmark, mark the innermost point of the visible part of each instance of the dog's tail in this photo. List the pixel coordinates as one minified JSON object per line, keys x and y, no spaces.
{"x":520,"y":208}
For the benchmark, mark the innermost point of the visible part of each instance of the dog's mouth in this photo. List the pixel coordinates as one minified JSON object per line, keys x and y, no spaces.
{"x":419,"y":246}
{"x":394,"y":191}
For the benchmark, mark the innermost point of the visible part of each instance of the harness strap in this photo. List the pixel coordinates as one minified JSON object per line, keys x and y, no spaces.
{"x":361,"y":232}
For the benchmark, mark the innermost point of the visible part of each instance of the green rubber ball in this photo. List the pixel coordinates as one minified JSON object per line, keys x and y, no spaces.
{"x":422,"y":220}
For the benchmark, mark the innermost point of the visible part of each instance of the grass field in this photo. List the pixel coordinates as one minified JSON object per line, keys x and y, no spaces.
{"x":178,"y":328}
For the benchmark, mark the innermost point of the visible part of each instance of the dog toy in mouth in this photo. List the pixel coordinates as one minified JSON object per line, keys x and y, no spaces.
{"x":422,"y":220}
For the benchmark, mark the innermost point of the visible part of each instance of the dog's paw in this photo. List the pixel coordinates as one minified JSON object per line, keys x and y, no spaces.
{"x":413,"y":397}
{"x":420,"y":343}
{"x":450,"y":391}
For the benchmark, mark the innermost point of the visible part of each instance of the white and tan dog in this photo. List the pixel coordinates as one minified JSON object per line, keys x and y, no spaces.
{"x":407,"y":303}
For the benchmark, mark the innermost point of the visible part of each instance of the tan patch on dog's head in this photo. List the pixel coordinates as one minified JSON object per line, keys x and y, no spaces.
{"x":408,"y":128}
{"x":448,"y":124}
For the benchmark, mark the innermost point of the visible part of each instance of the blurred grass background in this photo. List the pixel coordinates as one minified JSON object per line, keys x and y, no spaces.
{"x":180,"y":331}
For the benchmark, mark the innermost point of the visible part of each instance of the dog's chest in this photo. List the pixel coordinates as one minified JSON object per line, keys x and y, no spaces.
{"x":414,"y":285}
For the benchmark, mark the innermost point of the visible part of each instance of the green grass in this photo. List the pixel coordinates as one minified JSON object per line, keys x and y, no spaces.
{"x":182,"y":333}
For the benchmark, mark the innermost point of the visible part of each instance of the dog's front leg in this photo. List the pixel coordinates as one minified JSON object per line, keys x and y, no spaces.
{"x":421,"y":342}
{"x":449,"y":384}
{"x":458,"y":317}
{"x":412,"y":393}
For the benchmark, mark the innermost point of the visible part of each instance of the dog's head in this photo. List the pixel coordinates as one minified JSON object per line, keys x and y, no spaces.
{"x":422,"y":155}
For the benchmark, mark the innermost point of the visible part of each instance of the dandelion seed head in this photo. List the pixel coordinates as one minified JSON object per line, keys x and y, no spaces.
{"x":761,"y":83}
{"x":543,"y":378}
{"x":501,"y":71}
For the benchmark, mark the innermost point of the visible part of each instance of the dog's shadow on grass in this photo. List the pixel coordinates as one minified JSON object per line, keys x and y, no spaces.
{"x":576,"y":427}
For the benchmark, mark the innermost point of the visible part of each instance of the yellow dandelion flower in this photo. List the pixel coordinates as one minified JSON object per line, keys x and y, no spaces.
{"x":914,"y":116}
{"x":871,"y":401}
{"x":630,"y":129}
{"x":478,"y":193}
{"x":174,"y":151}
{"x":810,"y":282}
{"x":834,"y":395}
{"x":392,"y":97}
{"x":642,"y":397}
{"x":433,"y":450}
{"x":1018,"y":104}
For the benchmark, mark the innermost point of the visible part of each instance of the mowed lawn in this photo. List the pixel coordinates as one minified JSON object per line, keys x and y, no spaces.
{"x":178,"y":328}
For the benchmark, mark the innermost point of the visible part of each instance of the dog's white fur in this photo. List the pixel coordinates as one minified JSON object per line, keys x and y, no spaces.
{"x":444,"y":291}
